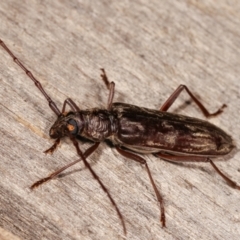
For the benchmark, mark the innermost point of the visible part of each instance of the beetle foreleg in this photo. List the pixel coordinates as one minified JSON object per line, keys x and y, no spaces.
{"x":143,"y":161}
{"x":87,"y":153}
{"x":71,"y":104}
{"x":53,"y":147}
{"x":175,"y":95}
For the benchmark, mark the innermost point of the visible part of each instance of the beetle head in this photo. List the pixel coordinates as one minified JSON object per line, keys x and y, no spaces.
{"x":66,"y":124}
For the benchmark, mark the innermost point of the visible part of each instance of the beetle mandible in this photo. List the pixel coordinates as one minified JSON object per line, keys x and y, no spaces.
{"x":133,"y":130}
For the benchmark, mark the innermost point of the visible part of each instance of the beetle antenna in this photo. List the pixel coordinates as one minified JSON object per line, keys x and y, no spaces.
{"x":52,"y":105}
{"x":75,"y":143}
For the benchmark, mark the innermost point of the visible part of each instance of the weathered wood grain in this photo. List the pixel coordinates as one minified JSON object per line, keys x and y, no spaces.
{"x":148,"y":48}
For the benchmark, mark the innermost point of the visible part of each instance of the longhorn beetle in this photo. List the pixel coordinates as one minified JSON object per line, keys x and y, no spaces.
{"x":133,"y":130}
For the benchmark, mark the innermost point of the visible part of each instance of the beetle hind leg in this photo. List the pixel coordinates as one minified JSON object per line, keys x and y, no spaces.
{"x":227,"y":179}
{"x":177,"y":159}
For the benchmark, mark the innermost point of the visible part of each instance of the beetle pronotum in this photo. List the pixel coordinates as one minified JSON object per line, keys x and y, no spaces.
{"x":133,"y":129}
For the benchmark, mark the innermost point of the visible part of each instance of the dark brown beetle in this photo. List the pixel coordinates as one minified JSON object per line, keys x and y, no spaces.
{"x":134,"y":129}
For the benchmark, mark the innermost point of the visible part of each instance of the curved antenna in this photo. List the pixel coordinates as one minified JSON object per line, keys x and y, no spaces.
{"x":52,"y":105}
{"x":79,"y":152}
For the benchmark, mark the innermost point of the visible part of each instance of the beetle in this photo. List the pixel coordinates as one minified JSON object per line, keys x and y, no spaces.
{"x":136,"y":130}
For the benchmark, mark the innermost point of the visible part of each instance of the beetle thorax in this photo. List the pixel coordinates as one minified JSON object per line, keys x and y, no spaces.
{"x":99,"y":124}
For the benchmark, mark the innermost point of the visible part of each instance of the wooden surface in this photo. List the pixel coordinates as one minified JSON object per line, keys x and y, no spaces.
{"x":148,"y":48}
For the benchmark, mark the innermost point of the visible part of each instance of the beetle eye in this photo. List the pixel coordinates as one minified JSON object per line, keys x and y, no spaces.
{"x":72,"y":126}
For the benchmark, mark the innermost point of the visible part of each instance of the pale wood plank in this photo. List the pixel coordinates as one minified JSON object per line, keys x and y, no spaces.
{"x":148,"y":48}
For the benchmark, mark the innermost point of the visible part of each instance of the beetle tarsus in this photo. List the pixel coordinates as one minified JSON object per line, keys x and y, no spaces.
{"x":53,"y":147}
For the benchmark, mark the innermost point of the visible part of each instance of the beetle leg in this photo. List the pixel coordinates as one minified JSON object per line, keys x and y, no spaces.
{"x":110,"y":86}
{"x":143,"y":162}
{"x":174,"y":158}
{"x":53,"y":147}
{"x":228,"y":180}
{"x":88,"y":152}
{"x":175,"y":95}
{"x":178,"y":159}
{"x":105,"y":78}
{"x":71,"y":104}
